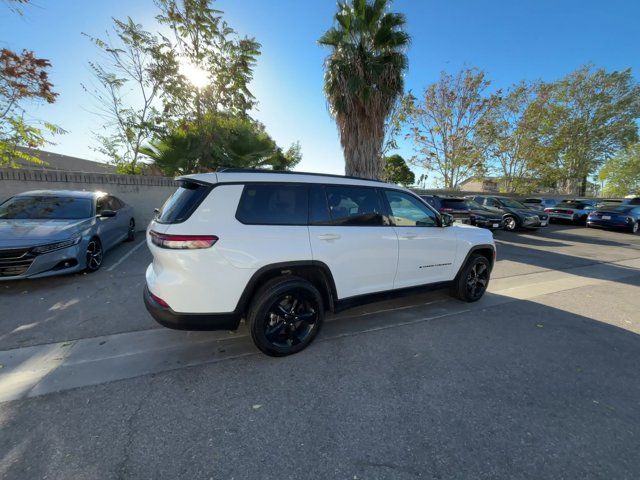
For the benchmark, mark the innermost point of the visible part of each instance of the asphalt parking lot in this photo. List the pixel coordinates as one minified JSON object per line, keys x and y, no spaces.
{"x":539,"y":379}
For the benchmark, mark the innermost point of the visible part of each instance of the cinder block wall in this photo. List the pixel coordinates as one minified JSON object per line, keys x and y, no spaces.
{"x":141,"y":192}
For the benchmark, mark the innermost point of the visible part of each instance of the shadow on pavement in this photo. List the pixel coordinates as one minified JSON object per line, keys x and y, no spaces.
{"x":520,"y":391}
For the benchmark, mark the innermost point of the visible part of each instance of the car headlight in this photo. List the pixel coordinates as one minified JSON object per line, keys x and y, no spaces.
{"x":56,"y":246}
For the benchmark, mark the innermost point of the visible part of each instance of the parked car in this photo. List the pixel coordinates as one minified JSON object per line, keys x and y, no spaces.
{"x":575,"y":211}
{"x":631,"y":200}
{"x":52,"y":232}
{"x":539,"y":203}
{"x":625,"y":217}
{"x":279,"y":249}
{"x":516,"y":214}
{"x":465,"y":210}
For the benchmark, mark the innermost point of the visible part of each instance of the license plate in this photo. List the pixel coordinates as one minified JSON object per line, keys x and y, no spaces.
{"x":543,"y":224}
{"x":606,"y":217}
{"x":496,"y":225}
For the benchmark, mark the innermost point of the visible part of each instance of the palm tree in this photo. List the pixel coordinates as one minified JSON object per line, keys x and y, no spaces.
{"x":364,"y":79}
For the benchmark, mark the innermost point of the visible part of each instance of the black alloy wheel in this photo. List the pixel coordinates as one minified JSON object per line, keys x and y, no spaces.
{"x":131,"y":233}
{"x":285,"y":316}
{"x":473,"y":280}
{"x":94,"y":254}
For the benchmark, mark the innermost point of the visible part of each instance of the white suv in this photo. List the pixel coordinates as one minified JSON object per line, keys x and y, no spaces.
{"x":281,"y":248}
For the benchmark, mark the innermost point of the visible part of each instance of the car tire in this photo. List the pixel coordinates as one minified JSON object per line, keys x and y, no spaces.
{"x":510,"y":223}
{"x":94,"y":255}
{"x":473,"y":279}
{"x":131,"y":233}
{"x":635,"y":228}
{"x":285,"y":316}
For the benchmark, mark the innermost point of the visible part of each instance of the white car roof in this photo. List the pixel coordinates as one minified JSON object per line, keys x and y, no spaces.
{"x":240,"y":176}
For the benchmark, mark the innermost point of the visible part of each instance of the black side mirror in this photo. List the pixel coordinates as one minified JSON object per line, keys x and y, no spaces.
{"x":107,"y":213}
{"x":447,"y":219}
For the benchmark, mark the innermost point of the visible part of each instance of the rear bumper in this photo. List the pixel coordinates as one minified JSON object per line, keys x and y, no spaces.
{"x":189,"y":321}
{"x":608,"y":224}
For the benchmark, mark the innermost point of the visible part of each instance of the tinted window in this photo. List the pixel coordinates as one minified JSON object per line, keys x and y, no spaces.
{"x":620,"y":208}
{"x":318,"y":208}
{"x":183,"y":202}
{"x":46,"y":207}
{"x":408,"y":211}
{"x":532,"y":200}
{"x":454,"y":204}
{"x":354,"y":206}
{"x":433,"y":201}
{"x":508,"y":202}
{"x":273,"y":204}
{"x":115,"y":203}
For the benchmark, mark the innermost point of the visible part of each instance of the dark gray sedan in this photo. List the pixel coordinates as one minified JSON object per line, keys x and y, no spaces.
{"x":52,"y":232}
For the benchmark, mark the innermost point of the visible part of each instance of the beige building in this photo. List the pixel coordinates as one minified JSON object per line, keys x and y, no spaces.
{"x":480,"y":184}
{"x":65,"y":163}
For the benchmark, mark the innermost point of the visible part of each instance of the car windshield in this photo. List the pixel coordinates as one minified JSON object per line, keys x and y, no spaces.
{"x":508,"y":202}
{"x":46,"y":208}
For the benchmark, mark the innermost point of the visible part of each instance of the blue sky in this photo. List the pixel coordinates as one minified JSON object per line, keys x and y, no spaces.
{"x":511,"y":40}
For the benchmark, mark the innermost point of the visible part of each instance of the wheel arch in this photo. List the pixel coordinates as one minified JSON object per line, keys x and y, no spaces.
{"x":486,"y":250}
{"x":317,"y":273}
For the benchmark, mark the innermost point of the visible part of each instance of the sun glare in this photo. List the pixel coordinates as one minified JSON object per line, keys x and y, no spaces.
{"x":197,"y":76}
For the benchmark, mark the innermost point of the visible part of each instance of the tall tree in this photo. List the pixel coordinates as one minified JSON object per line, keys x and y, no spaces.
{"x":24,"y":79}
{"x":396,"y":170}
{"x":621,"y":173}
{"x":128,"y":84}
{"x":364,"y":79}
{"x":589,"y":116}
{"x":511,"y":138}
{"x":216,"y":64}
{"x":445,"y":123}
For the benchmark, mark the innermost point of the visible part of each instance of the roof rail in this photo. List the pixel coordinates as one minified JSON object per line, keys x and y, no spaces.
{"x":288,"y":172}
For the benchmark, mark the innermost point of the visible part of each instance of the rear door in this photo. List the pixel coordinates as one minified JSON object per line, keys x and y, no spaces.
{"x":426,"y":251}
{"x":349,"y":232}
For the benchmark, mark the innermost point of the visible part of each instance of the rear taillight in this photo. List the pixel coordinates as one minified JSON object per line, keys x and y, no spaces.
{"x":182,"y":242}
{"x":548,"y":210}
{"x":159,"y":301}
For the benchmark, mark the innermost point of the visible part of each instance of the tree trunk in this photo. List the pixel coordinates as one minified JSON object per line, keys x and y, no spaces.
{"x":362,"y":145}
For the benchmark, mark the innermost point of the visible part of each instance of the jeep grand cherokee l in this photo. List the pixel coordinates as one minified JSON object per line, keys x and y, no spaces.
{"x":280,"y":249}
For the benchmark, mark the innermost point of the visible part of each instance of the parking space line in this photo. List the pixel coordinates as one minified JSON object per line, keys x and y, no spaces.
{"x":126,"y":255}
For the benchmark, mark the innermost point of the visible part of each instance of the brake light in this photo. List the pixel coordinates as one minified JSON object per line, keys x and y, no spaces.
{"x":159,"y":301}
{"x":548,"y":210}
{"x":182,"y":242}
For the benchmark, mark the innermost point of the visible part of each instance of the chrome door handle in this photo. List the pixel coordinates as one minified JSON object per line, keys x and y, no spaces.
{"x":329,"y":236}
{"x":408,"y":236}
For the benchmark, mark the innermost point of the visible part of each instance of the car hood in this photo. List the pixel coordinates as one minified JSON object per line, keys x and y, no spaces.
{"x":25,"y":233}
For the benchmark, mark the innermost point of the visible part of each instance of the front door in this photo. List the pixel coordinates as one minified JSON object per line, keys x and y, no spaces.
{"x":427,"y":251}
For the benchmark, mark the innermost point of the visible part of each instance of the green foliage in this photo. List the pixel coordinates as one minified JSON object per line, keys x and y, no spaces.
{"x":202,"y":40}
{"x":397,"y":171}
{"x":24,"y":79}
{"x":219,"y":140}
{"x":128,"y":85}
{"x":510,"y":137}
{"x":447,"y":122}
{"x":583,"y":120}
{"x":622,"y":173}
{"x":364,"y":78}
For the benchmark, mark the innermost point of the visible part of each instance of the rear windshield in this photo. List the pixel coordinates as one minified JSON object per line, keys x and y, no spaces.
{"x":567,"y":204}
{"x":618,"y":208}
{"x":455,"y":203}
{"x":532,"y":200}
{"x":183,"y":202}
{"x":46,"y":208}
